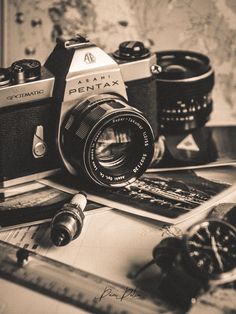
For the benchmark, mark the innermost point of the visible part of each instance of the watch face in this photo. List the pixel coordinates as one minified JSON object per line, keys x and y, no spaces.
{"x":211,"y":247}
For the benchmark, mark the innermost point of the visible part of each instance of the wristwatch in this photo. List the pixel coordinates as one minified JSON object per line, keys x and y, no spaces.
{"x":203,"y":258}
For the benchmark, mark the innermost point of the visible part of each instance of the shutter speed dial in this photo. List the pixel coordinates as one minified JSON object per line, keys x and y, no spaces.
{"x":132,"y":50}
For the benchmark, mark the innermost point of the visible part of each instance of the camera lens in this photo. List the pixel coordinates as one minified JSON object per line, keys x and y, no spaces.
{"x":184,"y":89}
{"x":107,"y":140}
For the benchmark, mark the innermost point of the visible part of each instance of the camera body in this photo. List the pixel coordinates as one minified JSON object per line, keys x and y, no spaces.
{"x":47,"y":111}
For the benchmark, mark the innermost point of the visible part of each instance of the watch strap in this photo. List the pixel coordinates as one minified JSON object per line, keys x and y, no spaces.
{"x":180,"y":287}
{"x":224,"y":211}
{"x":177,"y":285}
{"x":165,"y":252}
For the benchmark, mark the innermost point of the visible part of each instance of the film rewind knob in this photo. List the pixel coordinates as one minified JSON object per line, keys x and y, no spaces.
{"x":25,"y":70}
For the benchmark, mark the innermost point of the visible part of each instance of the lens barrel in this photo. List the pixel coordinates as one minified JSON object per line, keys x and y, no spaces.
{"x":106,"y":139}
{"x":184,"y":89}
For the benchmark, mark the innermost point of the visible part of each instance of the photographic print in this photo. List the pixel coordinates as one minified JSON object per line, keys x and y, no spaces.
{"x":169,"y":197}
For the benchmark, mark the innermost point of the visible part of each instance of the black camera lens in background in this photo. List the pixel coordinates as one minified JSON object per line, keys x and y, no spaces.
{"x":106,"y":139}
{"x":184,"y":89}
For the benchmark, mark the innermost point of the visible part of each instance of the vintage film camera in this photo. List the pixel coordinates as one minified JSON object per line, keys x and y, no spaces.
{"x":74,"y":113}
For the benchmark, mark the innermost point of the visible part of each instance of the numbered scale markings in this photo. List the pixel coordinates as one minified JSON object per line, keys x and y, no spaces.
{"x":71,"y":285}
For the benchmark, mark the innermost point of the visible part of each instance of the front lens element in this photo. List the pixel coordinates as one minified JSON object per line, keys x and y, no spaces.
{"x":114,"y":146}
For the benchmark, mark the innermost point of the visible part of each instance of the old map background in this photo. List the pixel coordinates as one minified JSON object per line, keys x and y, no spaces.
{"x":207,"y":26}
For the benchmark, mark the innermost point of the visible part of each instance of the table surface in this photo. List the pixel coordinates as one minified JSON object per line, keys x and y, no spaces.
{"x":112,"y":245}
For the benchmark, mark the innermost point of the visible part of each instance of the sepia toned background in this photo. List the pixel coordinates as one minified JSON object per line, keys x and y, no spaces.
{"x":29,"y":29}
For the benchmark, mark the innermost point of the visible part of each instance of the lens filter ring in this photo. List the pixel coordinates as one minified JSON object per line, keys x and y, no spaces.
{"x":109,"y":141}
